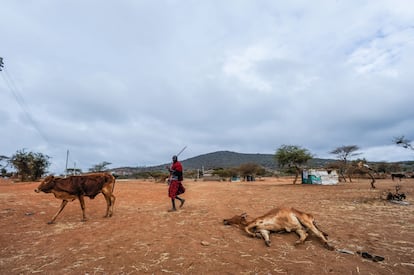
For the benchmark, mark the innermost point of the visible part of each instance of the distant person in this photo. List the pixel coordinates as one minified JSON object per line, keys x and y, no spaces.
{"x":175,"y":186}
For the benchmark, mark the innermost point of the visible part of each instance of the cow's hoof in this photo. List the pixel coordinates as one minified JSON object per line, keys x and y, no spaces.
{"x":267,"y":243}
{"x":51,"y":222}
{"x":329,"y":247}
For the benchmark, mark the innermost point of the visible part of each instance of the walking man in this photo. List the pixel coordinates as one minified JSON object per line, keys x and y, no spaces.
{"x":176,"y":187}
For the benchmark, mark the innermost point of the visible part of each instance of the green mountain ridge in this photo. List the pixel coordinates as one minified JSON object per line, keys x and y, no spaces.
{"x":221,"y":159}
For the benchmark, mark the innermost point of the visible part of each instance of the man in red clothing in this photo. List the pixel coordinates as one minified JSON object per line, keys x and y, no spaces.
{"x":176,"y":187}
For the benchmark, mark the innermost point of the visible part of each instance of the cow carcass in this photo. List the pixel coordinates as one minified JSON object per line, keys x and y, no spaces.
{"x":397,"y":196}
{"x":79,"y":186}
{"x":279,"y":220}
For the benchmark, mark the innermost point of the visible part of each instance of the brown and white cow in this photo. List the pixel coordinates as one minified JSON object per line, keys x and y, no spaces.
{"x":282,"y":219}
{"x":79,"y":186}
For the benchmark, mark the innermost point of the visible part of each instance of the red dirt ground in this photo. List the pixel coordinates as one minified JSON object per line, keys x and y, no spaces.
{"x":143,"y":238}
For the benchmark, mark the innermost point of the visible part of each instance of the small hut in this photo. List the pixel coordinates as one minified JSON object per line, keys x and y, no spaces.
{"x":319,"y":176}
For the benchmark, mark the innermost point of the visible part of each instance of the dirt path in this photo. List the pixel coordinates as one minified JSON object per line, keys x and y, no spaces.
{"x":142,"y":237}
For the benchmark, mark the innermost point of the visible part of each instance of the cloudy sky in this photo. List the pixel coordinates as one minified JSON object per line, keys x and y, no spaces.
{"x":132,"y":82}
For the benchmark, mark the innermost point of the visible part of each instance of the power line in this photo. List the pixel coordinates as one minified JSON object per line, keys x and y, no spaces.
{"x":19,"y":99}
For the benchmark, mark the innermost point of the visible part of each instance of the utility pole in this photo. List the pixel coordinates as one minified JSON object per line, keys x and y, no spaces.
{"x":66,"y":168}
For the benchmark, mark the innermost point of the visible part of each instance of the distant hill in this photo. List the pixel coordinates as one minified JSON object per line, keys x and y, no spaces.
{"x":221,"y":159}
{"x":227,"y":159}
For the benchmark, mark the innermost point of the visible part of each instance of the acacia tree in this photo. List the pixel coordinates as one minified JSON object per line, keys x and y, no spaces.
{"x":29,"y":165}
{"x":4,"y":162}
{"x":292,"y":156}
{"x":343,"y":153}
{"x":99,"y":167}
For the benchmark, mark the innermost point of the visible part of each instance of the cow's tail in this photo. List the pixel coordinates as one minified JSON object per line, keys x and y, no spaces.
{"x":113,"y":180}
{"x":110,"y":179}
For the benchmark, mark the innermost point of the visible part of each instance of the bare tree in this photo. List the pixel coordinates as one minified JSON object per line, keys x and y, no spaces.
{"x":364,"y":168}
{"x":403,"y":142}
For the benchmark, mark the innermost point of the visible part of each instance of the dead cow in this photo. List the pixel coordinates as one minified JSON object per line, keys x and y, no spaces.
{"x":77,"y":187}
{"x":280,"y":220}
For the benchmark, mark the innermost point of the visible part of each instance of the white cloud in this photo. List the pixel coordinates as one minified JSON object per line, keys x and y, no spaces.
{"x":387,"y":153}
{"x":383,"y":52}
{"x":130,"y":82}
{"x":243,"y":68}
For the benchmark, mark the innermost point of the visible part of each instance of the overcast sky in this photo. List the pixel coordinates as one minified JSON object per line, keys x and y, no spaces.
{"x":132,"y":82}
